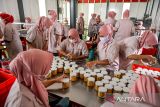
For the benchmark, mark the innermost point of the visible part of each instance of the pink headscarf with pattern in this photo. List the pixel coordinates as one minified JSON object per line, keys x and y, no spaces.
{"x":112,"y":14}
{"x":126,"y":14}
{"x":53,"y":13}
{"x":30,"y":67}
{"x":43,"y":22}
{"x":148,"y":38}
{"x":106,"y":30}
{"x":147,"y":88}
{"x":73,"y":33}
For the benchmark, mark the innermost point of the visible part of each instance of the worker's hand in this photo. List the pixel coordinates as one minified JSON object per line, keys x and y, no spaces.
{"x":71,"y":56}
{"x":59,"y":79}
{"x":151,"y":60}
{"x":91,"y":64}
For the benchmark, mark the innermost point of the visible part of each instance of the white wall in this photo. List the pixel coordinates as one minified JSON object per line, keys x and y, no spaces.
{"x":10,"y":6}
{"x":31,"y":9}
{"x":137,"y":10}
{"x":51,"y":5}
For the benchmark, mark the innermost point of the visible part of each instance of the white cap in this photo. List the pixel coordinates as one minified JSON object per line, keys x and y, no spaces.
{"x":104,"y":72}
{"x":113,"y":83}
{"x":117,"y":88}
{"x":80,"y":68}
{"x":123,"y":80}
{"x":105,"y":81}
{"x":66,"y":67}
{"x":82,"y":72}
{"x":73,"y":63}
{"x":129,"y":74}
{"x":87,"y":75}
{"x":122,"y":71}
{"x":115,"y":79}
{"x":65,"y":80}
{"x":107,"y":77}
{"x":99,"y":75}
{"x":117,"y":73}
{"x":126,"y":89}
{"x":99,"y":83}
{"x":109,"y":86}
{"x":131,"y":81}
{"x":93,"y":73}
{"x":97,"y":70}
{"x":73,"y":74}
{"x":102,"y":69}
{"x":102,"y":89}
{"x":121,"y":84}
{"x":91,"y":79}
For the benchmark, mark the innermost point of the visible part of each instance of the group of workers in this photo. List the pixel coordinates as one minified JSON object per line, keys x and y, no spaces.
{"x":117,"y":47}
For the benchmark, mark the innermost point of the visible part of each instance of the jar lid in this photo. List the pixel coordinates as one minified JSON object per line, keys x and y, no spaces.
{"x":121,"y":84}
{"x":115,"y":79}
{"x":129,"y":74}
{"x":126,"y":89}
{"x":82,"y":72}
{"x":109,"y":86}
{"x":118,"y":88}
{"x":99,"y":75}
{"x":102,"y":89}
{"x":117,"y":73}
{"x":102,"y":69}
{"x":65,"y":80}
{"x":97,"y":70}
{"x":87,"y":75}
{"x":105,"y":81}
{"x":99,"y":83}
{"x":91,"y":79}
{"x":73,"y":74}
{"x":93,"y":73}
{"x":122,"y":71}
{"x":107,"y":77}
{"x":123,"y":80}
{"x":80,"y":68}
{"x":113,"y":83}
{"x":104,"y":72}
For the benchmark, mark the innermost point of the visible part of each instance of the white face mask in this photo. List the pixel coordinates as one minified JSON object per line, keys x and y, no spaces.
{"x":49,"y":16}
{"x":72,"y":41}
{"x":104,"y":39}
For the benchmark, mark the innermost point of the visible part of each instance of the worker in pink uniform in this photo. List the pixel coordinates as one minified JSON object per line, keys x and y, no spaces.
{"x":55,"y":33}
{"x":80,"y":25}
{"x":130,"y":49}
{"x":29,"y":89}
{"x":145,"y":91}
{"x":73,"y":47}
{"x":38,"y":34}
{"x":28,"y":21}
{"x":107,"y":50}
{"x":124,"y":27}
{"x":111,"y":18}
{"x":92,"y":22}
{"x":11,"y":36}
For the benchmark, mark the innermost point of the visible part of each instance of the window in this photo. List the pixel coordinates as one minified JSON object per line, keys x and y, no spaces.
{"x":42,"y":7}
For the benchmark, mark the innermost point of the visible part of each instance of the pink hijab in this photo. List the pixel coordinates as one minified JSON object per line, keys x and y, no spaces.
{"x":126,"y":14}
{"x":148,"y":38}
{"x":43,"y":22}
{"x":112,"y":14}
{"x":93,"y":15}
{"x":27,"y":19}
{"x":106,"y":30}
{"x":73,"y":33}
{"x":147,"y":88}
{"x":31,"y":66}
{"x":53,"y":14}
{"x":81,"y":14}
